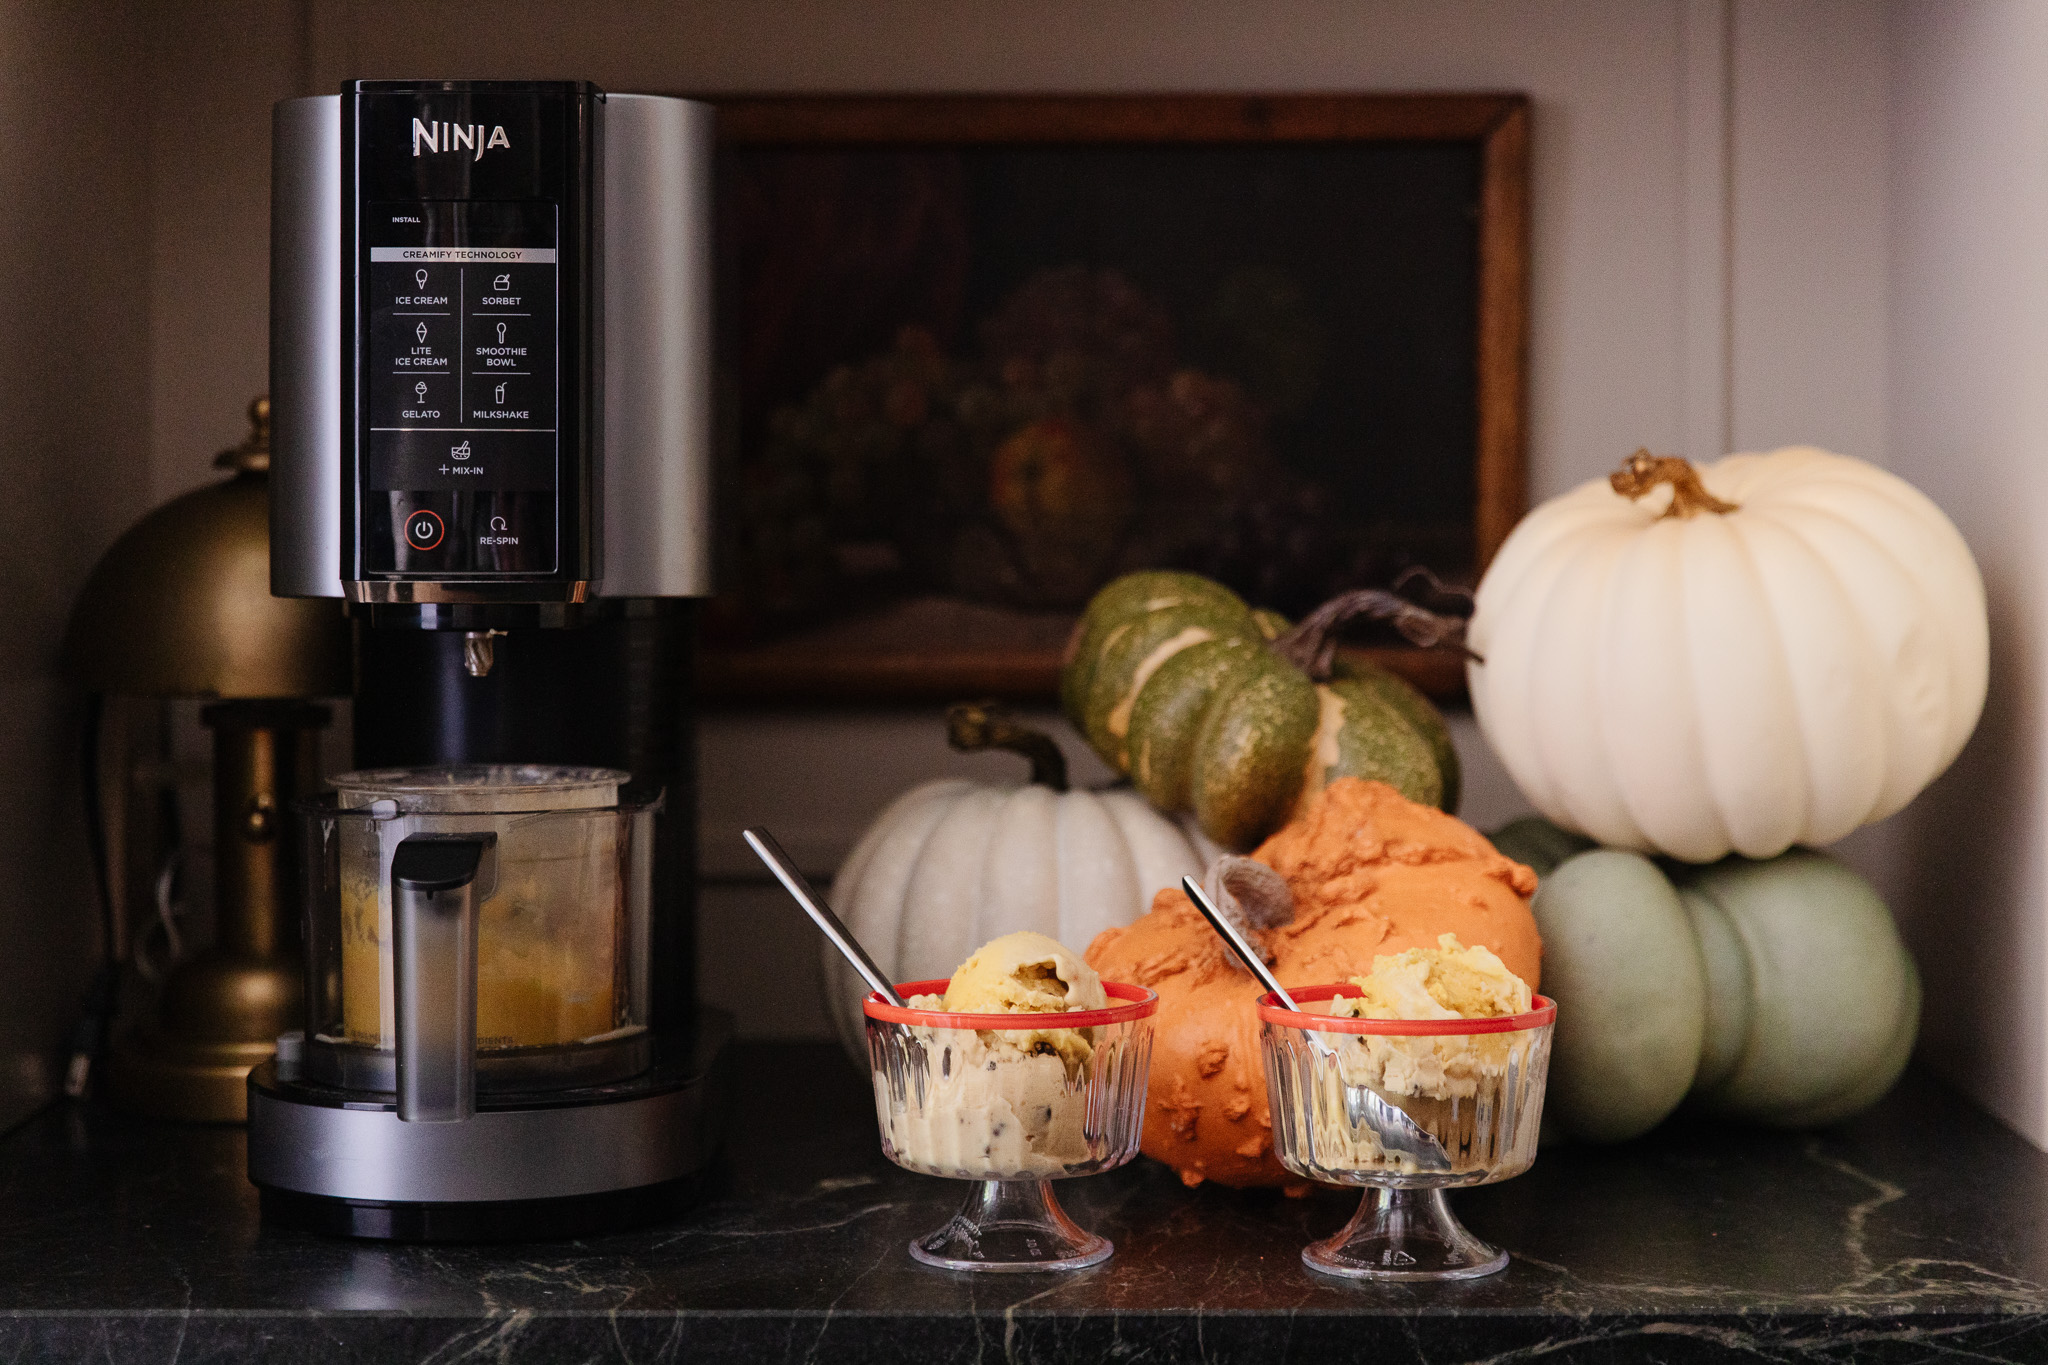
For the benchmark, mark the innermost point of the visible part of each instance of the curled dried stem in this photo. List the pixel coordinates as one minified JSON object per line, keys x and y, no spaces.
{"x":1642,"y":471}
{"x":1311,"y":645}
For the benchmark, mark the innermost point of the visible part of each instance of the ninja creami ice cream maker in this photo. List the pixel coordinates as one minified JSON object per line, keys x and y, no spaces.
{"x":490,"y":372}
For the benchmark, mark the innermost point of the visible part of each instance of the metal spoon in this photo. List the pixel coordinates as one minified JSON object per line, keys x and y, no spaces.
{"x":1399,"y":1135}
{"x":768,"y":851}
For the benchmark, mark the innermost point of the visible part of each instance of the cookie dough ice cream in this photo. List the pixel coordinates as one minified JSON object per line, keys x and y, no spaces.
{"x":1027,"y":973}
{"x":992,"y":1104}
{"x":1449,"y":981}
{"x":1479,"y":1094}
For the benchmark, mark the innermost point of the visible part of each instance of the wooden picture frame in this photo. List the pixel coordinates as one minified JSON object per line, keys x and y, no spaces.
{"x":836,"y":665}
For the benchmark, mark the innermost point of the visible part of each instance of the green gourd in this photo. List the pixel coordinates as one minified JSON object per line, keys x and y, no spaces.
{"x":1778,"y":991}
{"x":1214,"y":707}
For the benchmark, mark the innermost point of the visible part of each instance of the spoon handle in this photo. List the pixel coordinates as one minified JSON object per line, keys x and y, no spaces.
{"x":1245,"y":952}
{"x":768,"y":851}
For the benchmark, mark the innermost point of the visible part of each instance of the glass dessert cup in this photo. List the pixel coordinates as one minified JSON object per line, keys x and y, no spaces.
{"x":1466,"y":1098}
{"x":1011,"y":1102}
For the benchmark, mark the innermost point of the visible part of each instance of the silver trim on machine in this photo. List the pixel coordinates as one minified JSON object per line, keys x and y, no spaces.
{"x":457,"y":592}
{"x":305,"y":347}
{"x":539,"y":1153}
{"x":657,"y":347}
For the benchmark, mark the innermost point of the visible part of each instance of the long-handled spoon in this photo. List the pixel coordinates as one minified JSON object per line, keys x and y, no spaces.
{"x":1399,"y":1134}
{"x":768,"y":851}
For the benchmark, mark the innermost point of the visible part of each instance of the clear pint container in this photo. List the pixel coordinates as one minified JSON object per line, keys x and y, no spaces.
{"x":556,"y":962}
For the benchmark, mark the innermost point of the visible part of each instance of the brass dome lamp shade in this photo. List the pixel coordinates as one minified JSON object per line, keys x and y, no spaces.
{"x":180,"y":606}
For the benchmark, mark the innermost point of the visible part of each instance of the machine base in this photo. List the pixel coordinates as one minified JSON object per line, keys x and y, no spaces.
{"x":511,"y":1220}
{"x":565,"y":1164}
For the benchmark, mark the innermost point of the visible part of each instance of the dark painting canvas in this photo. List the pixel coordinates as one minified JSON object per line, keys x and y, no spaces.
{"x":969,"y":384}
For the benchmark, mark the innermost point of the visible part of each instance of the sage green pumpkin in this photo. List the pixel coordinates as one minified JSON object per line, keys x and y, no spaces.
{"x":1174,"y":680}
{"x":1778,"y":991}
{"x":1814,"y":1002}
{"x":1535,"y":841}
{"x":1621,"y":960}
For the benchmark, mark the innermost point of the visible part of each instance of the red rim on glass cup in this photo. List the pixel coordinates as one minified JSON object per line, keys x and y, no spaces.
{"x":1273,"y":1012}
{"x":1142,"y":1004}
{"x":1010,"y":1220}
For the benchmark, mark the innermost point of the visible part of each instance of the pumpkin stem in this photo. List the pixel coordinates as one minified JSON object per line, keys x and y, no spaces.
{"x":1642,"y":471}
{"x":1311,"y":645}
{"x":972,"y":726}
{"x":1251,"y":896}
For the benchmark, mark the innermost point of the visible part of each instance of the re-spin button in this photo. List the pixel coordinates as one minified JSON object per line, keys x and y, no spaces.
{"x":424,"y":529}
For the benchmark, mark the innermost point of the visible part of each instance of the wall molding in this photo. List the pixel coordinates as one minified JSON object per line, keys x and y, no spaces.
{"x":1706,"y":340}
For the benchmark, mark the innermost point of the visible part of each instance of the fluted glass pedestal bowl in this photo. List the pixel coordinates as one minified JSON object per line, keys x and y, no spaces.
{"x":1011,"y":1102}
{"x":1407,"y":1108}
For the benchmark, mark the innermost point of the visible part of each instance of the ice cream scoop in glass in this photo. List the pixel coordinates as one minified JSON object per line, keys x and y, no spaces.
{"x":1023,"y":1068}
{"x":1010,"y":1101}
{"x":1474,"y":1085}
{"x":1427,"y":1073}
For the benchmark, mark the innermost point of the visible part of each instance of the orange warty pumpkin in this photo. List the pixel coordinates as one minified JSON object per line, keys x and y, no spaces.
{"x":1371,"y":872}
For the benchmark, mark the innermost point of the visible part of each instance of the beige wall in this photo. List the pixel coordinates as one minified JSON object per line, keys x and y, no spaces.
{"x":74,"y":421}
{"x":214,"y":71}
{"x":1807,"y":227}
{"x":1969,"y":413}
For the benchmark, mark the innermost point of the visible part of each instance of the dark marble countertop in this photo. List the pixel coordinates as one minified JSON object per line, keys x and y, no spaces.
{"x":1917,"y":1232}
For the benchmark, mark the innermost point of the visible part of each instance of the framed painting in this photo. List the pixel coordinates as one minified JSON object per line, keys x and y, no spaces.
{"x":980,"y":355}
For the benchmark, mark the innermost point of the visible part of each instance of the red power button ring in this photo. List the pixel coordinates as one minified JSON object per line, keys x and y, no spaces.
{"x":423,"y":530}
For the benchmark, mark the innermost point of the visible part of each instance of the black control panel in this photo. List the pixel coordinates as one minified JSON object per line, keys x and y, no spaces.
{"x":472,"y":398}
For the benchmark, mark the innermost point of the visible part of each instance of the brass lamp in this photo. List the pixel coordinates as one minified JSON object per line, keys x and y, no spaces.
{"x":180,"y":606}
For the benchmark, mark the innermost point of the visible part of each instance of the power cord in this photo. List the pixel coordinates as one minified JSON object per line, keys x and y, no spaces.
{"x":89,"y":1034}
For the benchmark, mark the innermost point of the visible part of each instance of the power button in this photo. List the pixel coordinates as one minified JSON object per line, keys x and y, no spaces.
{"x":423,"y":530}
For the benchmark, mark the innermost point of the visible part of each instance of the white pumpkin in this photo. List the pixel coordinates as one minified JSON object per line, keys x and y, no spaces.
{"x":952,"y":864}
{"x":1791,"y":651}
